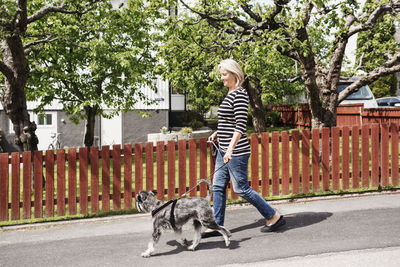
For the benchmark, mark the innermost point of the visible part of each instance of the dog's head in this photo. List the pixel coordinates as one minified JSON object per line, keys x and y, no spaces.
{"x":146,"y":201}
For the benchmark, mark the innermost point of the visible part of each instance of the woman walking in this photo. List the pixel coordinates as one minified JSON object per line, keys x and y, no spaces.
{"x":234,"y":149}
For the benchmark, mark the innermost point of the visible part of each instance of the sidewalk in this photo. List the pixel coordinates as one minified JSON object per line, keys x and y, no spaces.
{"x":358,"y":230}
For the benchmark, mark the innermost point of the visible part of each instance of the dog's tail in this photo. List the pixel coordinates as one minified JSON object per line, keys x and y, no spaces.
{"x":210,"y":186}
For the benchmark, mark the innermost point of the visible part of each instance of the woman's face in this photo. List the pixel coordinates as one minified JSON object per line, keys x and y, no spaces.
{"x":228,"y":78}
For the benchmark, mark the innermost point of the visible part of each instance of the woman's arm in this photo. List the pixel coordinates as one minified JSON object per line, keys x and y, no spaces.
{"x":235,"y":139}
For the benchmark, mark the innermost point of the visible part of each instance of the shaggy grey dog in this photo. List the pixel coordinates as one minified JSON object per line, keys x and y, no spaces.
{"x":174,"y":214}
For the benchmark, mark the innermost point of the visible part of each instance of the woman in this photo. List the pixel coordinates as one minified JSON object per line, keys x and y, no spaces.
{"x":234,"y":149}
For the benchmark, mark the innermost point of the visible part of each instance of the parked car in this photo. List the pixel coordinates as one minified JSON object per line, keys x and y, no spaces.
{"x":390,"y":101}
{"x":363,"y":95}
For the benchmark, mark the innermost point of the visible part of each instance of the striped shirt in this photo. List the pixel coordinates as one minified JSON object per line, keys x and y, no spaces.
{"x":232,"y":117}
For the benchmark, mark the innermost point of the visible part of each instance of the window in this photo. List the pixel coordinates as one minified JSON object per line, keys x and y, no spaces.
{"x":45,"y":119}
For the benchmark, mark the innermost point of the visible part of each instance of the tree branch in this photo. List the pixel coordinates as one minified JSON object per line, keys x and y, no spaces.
{"x":389,"y":67}
{"x":60,"y":9}
{"x":250,"y":12}
{"x":8,"y":73}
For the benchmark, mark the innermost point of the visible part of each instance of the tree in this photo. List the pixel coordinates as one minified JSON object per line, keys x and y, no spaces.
{"x":192,"y":50}
{"x":313,"y":33}
{"x":101,"y":62}
{"x":18,"y":43}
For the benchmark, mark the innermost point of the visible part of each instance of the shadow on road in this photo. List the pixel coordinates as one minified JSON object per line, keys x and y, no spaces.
{"x":293,"y":221}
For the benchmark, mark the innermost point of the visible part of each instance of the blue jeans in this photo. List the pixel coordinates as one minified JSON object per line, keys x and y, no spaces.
{"x":235,"y":170}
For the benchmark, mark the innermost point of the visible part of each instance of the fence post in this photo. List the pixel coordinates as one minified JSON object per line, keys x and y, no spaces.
{"x":182,"y":166}
{"x":315,"y":159}
{"x":345,"y":157}
{"x":49,"y":164}
{"x":355,"y":156}
{"x":138,"y":167}
{"x":254,"y":161}
{"x":375,"y":154}
{"x":127,"y":176}
{"x":116,"y":196}
{"x":160,"y":170}
{"x":72,"y":181}
{"x":335,"y":159}
{"x":265,"y":164}
{"x":365,"y":155}
{"x":61,"y":182}
{"x":26,"y":172}
{"x":4,"y":187}
{"x":105,"y":178}
{"x":385,"y":154}
{"x":149,"y":166}
{"x":15,"y":186}
{"x":325,"y":158}
{"x":94,"y":178}
{"x":305,"y":161}
{"x":203,"y":166}
{"x":285,"y":163}
{"x":275,"y":163}
{"x":295,"y":162}
{"x":38,"y":183}
{"x":171,"y":169}
{"x":394,"y":128}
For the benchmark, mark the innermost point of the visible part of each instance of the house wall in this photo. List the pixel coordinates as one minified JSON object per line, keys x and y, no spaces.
{"x":135,"y":128}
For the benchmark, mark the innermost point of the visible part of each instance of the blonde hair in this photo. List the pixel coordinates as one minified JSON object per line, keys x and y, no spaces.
{"x":233,"y":67}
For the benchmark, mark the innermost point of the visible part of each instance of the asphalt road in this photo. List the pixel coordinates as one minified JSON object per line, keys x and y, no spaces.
{"x":345,"y":231}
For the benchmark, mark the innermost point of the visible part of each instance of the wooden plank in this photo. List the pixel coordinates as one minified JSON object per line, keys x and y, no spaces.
{"x":49,"y":164}
{"x":94,"y":178}
{"x":254,"y":161}
{"x":295,"y":162}
{"x":127,"y":177}
{"x":315,"y":159}
{"x":275,"y":163}
{"x":192,"y":166}
{"x":116,"y":196}
{"x":345,"y":158}
{"x":365,"y":155}
{"x":285,"y":163}
{"x":38,"y":183}
{"x":212,"y":165}
{"x":265,"y":164}
{"x":355,"y":156}
{"x":375,"y":154}
{"x":149,"y":166}
{"x":203,"y":166}
{"x":385,"y":154}
{"x":182,"y":166}
{"x":138,"y":168}
{"x":305,"y":161}
{"x":60,"y":182}
{"x":171,"y":169}
{"x":325,"y":158}
{"x":160,"y":170}
{"x":105,"y":178}
{"x":15,"y":186}
{"x":394,"y":129}
{"x":3,"y":187}
{"x":335,"y":159}
{"x":83,"y":180}
{"x":26,"y":194}
{"x":72,"y":181}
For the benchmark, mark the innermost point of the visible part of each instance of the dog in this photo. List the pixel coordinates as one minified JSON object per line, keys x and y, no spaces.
{"x":176,"y":213}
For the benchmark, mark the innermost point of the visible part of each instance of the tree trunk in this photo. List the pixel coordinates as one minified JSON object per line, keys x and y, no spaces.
{"x":13,"y":98}
{"x":91,"y":120}
{"x":256,"y":106}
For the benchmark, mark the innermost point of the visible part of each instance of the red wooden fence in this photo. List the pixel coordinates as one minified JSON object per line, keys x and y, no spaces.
{"x":86,"y":181}
{"x":347,"y":115}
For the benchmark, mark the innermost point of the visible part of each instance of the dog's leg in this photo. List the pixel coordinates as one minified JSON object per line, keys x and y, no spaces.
{"x":197,"y":235}
{"x":224,"y":232}
{"x":152,"y":243}
{"x":178,"y":236}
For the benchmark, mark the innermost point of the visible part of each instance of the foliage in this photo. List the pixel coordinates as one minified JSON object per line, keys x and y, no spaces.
{"x":186,"y":130}
{"x":100,"y":59}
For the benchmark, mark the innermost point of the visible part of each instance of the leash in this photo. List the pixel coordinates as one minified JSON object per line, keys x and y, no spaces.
{"x":205,"y":180}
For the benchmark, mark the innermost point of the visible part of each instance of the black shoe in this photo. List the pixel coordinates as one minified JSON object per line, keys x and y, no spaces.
{"x":281,"y":222}
{"x":210,"y":234}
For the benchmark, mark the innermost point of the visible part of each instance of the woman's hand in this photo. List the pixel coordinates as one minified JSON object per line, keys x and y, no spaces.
{"x":213,"y":137}
{"x":228,"y":156}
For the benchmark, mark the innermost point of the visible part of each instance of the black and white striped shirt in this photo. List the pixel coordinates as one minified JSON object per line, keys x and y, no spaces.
{"x":232,"y":117}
